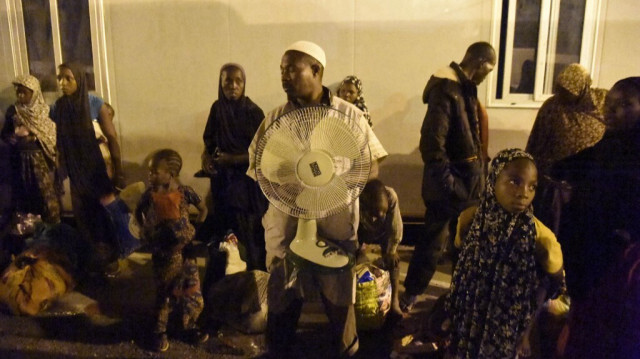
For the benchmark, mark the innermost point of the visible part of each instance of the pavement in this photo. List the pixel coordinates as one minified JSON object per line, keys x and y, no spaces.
{"x":112,"y":319}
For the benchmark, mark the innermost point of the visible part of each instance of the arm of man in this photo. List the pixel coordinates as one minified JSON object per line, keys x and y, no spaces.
{"x":109,"y":130}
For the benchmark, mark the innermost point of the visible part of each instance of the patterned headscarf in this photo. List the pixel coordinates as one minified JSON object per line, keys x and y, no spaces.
{"x":492,"y":294}
{"x":575,"y":79}
{"x":359,"y":102}
{"x":563,"y":128}
{"x":35,"y":116}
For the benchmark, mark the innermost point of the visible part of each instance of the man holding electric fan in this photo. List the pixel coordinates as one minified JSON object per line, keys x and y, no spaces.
{"x":301,"y":69}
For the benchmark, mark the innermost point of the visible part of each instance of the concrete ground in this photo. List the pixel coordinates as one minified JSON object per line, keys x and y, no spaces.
{"x":112,"y":320}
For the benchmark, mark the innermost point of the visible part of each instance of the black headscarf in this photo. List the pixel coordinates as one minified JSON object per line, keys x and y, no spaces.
{"x":77,"y":145}
{"x":232,"y":123}
{"x":230,"y":128}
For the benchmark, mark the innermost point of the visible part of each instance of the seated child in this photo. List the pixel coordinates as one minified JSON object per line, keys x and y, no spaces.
{"x":381,"y":223}
{"x":163,"y":212}
{"x":505,"y":255}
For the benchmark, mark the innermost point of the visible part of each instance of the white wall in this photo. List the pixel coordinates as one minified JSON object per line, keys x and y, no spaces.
{"x":164,"y":57}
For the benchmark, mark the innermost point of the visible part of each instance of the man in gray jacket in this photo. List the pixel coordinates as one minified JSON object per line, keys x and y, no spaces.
{"x":450,"y":146}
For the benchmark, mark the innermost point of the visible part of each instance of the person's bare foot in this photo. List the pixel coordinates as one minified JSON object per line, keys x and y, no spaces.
{"x":395,"y":309}
{"x":523,"y":349}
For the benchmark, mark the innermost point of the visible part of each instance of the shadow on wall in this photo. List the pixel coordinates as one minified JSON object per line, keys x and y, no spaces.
{"x":501,"y":139}
{"x":404,"y":174}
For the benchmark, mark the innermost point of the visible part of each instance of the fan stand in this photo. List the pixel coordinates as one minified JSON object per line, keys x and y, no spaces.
{"x":310,"y":250}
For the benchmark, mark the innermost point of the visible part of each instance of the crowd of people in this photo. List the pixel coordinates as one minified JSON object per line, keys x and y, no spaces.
{"x":512,"y":250}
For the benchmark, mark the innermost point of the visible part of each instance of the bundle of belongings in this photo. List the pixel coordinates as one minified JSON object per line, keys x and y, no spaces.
{"x":235,"y":297}
{"x":49,"y":267}
{"x":373,"y":296}
{"x":240,"y":300}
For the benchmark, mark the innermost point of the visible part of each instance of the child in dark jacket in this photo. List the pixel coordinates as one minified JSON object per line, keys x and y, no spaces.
{"x":163,"y":212}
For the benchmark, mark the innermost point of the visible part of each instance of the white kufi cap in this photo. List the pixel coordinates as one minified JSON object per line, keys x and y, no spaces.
{"x":310,"y":49}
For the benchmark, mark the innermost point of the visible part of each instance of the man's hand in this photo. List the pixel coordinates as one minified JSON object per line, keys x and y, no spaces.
{"x":391,"y":260}
{"x":118,"y":181}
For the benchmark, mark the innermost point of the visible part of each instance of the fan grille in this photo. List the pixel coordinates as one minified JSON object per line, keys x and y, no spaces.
{"x":312,"y":162}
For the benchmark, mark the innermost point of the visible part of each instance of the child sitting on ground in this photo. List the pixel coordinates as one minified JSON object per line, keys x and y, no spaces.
{"x":381,"y":224}
{"x":163,"y":212}
{"x":505,"y":253}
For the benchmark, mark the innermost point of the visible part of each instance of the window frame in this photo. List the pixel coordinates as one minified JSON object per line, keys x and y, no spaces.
{"x":18,"y":41}
{"x":589,"y":51}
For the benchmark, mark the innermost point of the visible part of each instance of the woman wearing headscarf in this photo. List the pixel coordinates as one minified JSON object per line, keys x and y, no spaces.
{"x":350,"y":90}
{"x":100,"y":216}
{"x":32,"y":135}
{"x":568,"y":122}
{"x":238,"y":202}
{"x":600,"y":234}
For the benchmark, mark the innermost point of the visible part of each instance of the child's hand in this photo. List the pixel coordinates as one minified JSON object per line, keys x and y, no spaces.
{"x":21,"y":131}
{"x":223,"y":159}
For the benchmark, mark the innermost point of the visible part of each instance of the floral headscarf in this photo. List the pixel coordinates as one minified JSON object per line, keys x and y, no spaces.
{"x":359,"y":102}
{"x":564,"y":128}
{"x":575,"y":79}
{"x":35,"y":116}
{"x":492,"y":294}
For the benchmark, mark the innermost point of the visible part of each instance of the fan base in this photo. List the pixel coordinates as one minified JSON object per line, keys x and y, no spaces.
{"x":320,"y":255}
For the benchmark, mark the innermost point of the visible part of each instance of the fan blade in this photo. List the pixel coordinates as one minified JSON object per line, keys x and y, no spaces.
{"x":277,"y":169}
{"x":321,"y":199}
{"x":334,"y":136}
{"x":279,"y":158}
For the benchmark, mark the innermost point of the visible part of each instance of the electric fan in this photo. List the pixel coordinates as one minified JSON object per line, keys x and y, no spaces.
{"x":311,"y":163}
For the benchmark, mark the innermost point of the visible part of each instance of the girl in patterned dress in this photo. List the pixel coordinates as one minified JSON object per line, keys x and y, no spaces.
{"x":504,"y":254}
{"x":163,"y":211}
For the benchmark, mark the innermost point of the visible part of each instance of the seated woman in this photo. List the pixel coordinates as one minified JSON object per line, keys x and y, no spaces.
{"x":350,"y":90}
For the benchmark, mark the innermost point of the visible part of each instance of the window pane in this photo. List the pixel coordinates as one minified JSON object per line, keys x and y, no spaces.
{"x":75,"y":35}
{"x":569,"y":40}
{"x":37,"y":27}
{"x":525,"y":44}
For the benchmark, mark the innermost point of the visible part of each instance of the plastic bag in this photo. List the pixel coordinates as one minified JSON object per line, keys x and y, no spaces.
{"x":229,"y":245}
{"x":373,"y":296}
{"x":24,"y":224}
{"x":240,"y":300}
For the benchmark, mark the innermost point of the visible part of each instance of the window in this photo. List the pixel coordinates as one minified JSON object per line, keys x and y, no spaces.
{"x":535,"y":40}
{"x":46,"y":33}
